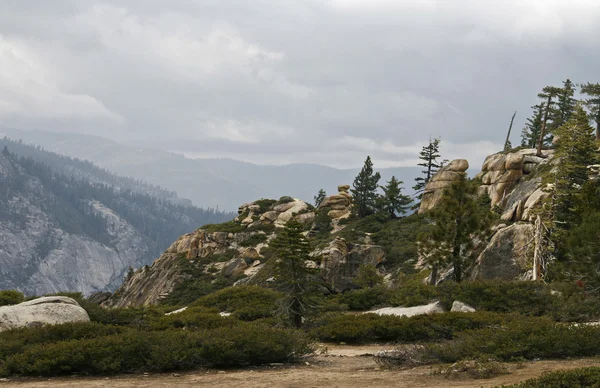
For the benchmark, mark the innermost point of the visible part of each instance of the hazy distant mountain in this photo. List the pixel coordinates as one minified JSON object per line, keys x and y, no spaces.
{"x":76,"y":227}
{"x":224,"y":183}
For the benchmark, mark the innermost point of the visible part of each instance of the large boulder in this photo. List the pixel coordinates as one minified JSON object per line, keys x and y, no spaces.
{"x":432,"y":308}
{"x":340,"y":261}
{"x":440,"y":181}
{"x":340,"y":203}
{"x":51,"y":310}
{"x":507,"y":256}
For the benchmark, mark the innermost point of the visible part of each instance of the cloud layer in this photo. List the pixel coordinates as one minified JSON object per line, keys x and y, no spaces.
{"x":286,"y":81}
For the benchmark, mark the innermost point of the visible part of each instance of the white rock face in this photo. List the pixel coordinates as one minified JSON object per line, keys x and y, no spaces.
{"x":50,"y":310}
{"x":461,"y":307}
{"x":431,"y":308}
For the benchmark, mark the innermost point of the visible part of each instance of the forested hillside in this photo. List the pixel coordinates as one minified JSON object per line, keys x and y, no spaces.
{"x":77,"y":227}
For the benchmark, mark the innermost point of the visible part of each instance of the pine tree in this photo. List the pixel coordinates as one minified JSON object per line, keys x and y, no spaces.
{"x":293,"y":278}
{"x":548,"y":94}
{"x":565,"y":105}
{"x":576,"y":149}
{"x":320,"y":197}
{"x":364,"y":190}
{"x":533,"y":127}
{"x":457,"y":221}
{"x":429,"y":156}
{"x":392,"y":200}
{"x":593,"y":103}
{"x":367,"y":277}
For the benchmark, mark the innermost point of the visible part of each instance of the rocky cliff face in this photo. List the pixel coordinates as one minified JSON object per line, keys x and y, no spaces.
{"x":240,"y":251}
{"x":62,"y":233}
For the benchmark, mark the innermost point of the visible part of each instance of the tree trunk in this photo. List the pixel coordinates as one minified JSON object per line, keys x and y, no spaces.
{"x":506,"y":142}
{"x":598,"y":124}
{"x":543,"y":129}
{"x":433,"y":277}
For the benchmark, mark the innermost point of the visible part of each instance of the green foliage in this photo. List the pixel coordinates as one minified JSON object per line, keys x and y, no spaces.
{"x":194,"y":319}
{"x":364,"y":190}
{"x":267,"y":204}
{"x":593,"y":103}
{"x":8,"y":297}
{"x":323,"y":222}
{"x":524,"y":338}
{"x":429,"y":156}
{"x":576,"y":150}
{"x":583,"y":247}
{"x":227,"y":227}
{"x":320,"y":197}
{"x":372,"y":327}
{"x":533,"y":127}
{"x":254,"y":240}
{"x":245,"y":302}
{"x":457,"y":221}
{"x":367,"y":277}
{"x":392,"y":200}
{"x":160,"y":351}
{"x":292,"y":277}
{"x":576,"y":378}
{"x":365,"y":298}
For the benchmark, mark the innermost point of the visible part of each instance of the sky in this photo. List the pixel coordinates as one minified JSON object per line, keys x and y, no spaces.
{"x":282,"y":81}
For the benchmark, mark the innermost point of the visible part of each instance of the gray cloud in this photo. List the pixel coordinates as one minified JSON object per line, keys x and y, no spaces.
{"x":286,"y":81}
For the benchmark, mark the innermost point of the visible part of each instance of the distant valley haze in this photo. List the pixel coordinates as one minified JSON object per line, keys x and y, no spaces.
{"x":278,"y":97}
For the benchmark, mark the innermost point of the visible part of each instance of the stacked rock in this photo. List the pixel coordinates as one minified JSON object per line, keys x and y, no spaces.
{"x":440,"y":181}
{"x":340,"y":203}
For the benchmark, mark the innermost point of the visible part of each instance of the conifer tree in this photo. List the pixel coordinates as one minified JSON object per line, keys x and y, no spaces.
{"x":576,"y":150}
{"x":593,"y":103}
{"x":565,"y":105}
{"x":429,"y":156}
{"x":320,"y":197}
{"x":507,"y":142}
{"x":548,"y":94}
{"x":457,"y":221}
{"x":533,"y":127}
{"x":392,"y":200}
{"x":364,"y":192}
{"x":293,"y":278}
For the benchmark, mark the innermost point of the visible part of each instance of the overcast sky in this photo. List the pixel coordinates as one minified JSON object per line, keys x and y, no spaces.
{"x":282,"y":81}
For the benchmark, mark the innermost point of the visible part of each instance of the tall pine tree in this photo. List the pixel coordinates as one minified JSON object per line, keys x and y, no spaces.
{"x":392,"y":200}
{"x":565,"y":105}
{"x":292,"y":277}
{"x":364,"y":192}
{"x":576,"y":150}
{"x":548,"y":94}
{"x":458,"y":220}
{"x":533,"y":127}
{"x":429,"y":156}
{"x":593,"y":103}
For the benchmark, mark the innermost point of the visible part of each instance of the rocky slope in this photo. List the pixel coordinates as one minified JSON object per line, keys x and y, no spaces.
{"x":239,"y":251}
{"x":64,"y":233}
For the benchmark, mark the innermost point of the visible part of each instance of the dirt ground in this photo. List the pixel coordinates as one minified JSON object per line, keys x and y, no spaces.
{"x":341,"y":366}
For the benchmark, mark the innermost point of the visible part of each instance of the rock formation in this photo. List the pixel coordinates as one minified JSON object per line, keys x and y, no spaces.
{"x":340,"y":203}
{"x":339,"y":262}
{"x":440,"y":181}
{"x":502,"y":179}
{"x":432,"y":308}
{"x":508,"y":255}
{"x":49,"y":310}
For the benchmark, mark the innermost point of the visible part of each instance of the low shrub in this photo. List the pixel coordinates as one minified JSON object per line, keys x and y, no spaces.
{"x":372,"y":327}
{"x":137,"y":351}
{"x":525,"y":338}
{"x":254,"y":240}
{"x":244,"y":302}
{"x":16,"y":340}
{"x":576,"y":378}
{"x":8,"y":297}
{"x":193,"y":319}
{"x":366,"y":298}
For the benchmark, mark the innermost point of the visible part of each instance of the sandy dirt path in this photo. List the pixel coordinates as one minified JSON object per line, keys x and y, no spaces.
{"x":342,"y":366}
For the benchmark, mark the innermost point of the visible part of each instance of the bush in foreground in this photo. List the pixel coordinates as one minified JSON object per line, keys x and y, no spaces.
{"x":576,"y":378}
{"x":138,"y":351}
{"x":8,"y":297}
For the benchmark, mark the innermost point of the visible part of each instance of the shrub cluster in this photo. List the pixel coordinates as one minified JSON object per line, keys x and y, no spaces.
{"x":372,"y":327}
{"x":8,"y":297}
{"x":247,"y":303}
{"x":109,"y":350}
{"x":576,"y":378}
